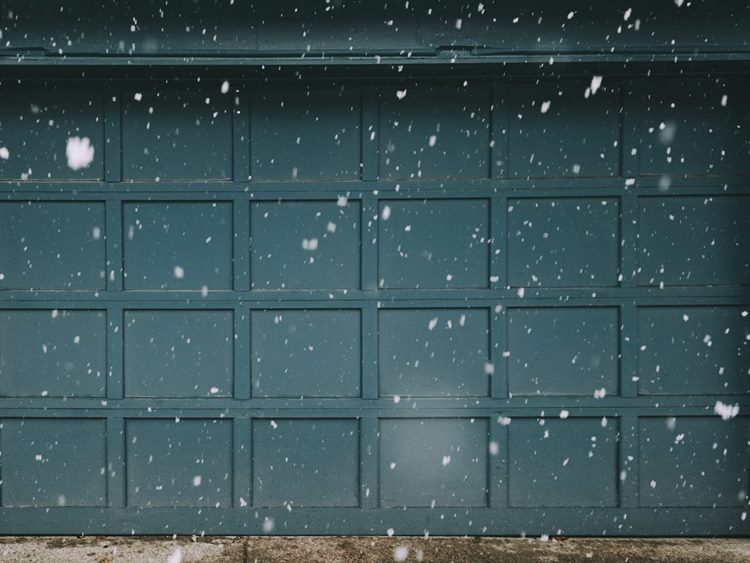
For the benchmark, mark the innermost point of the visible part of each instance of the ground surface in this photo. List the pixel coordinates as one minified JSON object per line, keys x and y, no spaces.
{"x":365,"y":549}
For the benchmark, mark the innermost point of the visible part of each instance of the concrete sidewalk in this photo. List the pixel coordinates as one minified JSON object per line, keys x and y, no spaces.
{"x":367,"y":549}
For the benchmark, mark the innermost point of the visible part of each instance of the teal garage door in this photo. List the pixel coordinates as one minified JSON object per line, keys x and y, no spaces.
{"x":429,"y":306}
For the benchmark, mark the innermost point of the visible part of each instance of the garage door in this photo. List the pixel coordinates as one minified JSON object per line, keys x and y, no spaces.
{"x":416,"y":307}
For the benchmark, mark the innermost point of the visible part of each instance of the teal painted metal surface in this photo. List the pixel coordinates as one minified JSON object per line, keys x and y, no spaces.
{"x":482,"y":308}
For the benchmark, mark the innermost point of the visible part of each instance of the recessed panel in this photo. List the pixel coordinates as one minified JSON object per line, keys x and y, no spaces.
{"x":434,"y":244}
{"x":305,"y":462}
{"x":53,"y":353}
{"x":563,"y":462}
{"x":693,"y":350}
{"x":698,"y":240}
{"x":176,"y":245}
{"x":305,"y":135}
{"x":563,"y":351}
{"x":695,"y":128}
{"x":305,"y":244}
{"x":428,"y":462}
{"x":179,"y":462}
{"x":306,"y":353}
{"x":51,"y":245}
{"x":572,"y":242}
{"x":434,"y":352}
{"x":699,"y":461}
{"x":52,"y":134}
{"x":557,"y":131}
{"x":178,"y":353}
{"x":174,"y":135}
{"x":434,"y":133}
{"x":53,"y":462}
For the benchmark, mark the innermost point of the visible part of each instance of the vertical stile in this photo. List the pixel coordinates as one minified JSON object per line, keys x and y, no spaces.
{"x":116,"y":478}
{"x":114,"y":249}
{"x":370,"y":218}
{"x":498,"y":348}
{"x":499,"y":242}
{"x":628,"y":461}
{"x":241,"y":135}
{"x":499,"y":132}
{"x":369,"y":461}
{"x":115,"y":354}
{"x":369,"y":342}
{"x":241,"y":243}
{"x":112,"y":134}
{"x":242,"y":353}
{"x":242,"y":461}
{"x":369,"y":135}
{"x":498,"y":463}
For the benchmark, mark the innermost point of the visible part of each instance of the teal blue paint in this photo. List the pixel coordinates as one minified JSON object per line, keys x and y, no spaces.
{"x":402,"y":321}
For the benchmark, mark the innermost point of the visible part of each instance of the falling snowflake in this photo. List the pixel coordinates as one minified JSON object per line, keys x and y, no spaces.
{"x":80,"y":152}
{"x":310,"y":244}
{"x":726,"y":411}
{"x":400,"y":553}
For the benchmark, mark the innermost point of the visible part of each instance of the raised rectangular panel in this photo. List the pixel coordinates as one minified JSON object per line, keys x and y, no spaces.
{"x":179,"y":462}
{"x":178,"y":353}
{"x":175,"y":135}
{"x":694,"y":240}
{"x":434,"y":244}
{"x":434,"y":133}
{"x":305,"y":135}
{"x":570,"y":242}
{"x":563,"y":462}
{"x":53,"y":353}
{"x":53,"y":462}
{"x":310,"y":353}
{"x":305,"y":462}
{"x":305,"y":244}
{"x":434,"y":352}
{"x":52,"y":245}
{"x":426,"y":462}
{"x":556,"y":131}
{"x":698,"y":128}
{"x":178,"y":245}
{"x":52,"y":134}
{"x":563,"y":351}
{"x":693,"y":350}
{"x":693,"y":461}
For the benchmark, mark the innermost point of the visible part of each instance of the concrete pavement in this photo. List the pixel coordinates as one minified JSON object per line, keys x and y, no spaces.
{"x":368,"y":549}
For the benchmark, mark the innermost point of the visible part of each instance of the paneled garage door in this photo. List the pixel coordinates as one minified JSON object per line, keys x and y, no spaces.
{"x":426,"y":307}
